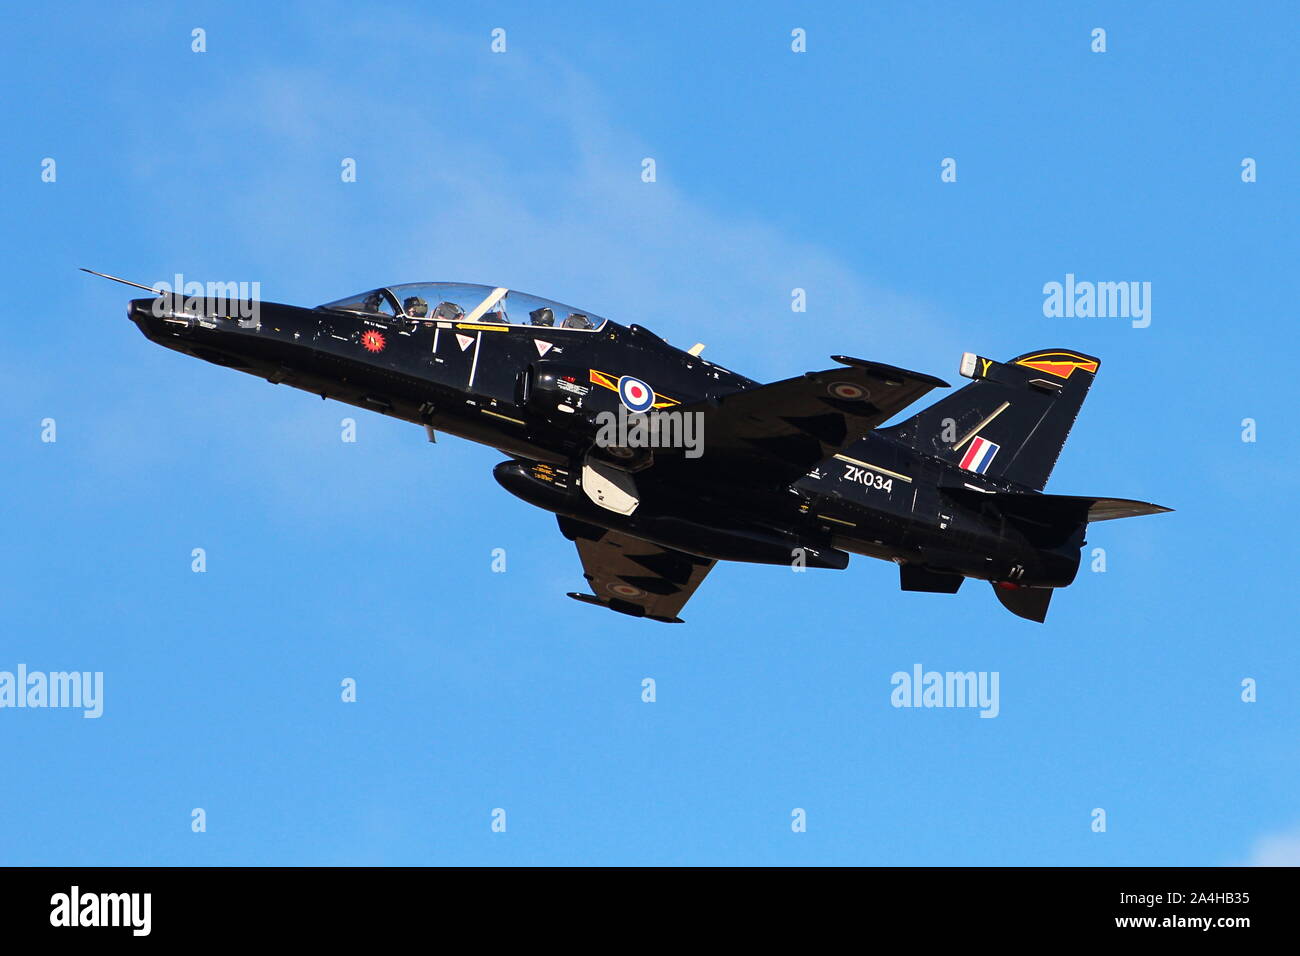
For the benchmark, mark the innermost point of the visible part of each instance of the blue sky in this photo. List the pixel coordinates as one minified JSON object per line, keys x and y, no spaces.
{"x":775,"y":170}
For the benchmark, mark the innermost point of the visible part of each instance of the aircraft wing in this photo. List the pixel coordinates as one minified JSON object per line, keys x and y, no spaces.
{"x":633,"y":576}
{"x":789,"y":426}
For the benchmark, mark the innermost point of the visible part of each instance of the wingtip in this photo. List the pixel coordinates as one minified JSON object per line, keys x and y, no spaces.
{"x":610,"y":606}
{"x":883,"y":369}
{"x":1148,"y":508}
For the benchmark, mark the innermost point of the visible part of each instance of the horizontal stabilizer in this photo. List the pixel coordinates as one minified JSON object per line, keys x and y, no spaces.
{"x":1104,"y":509}
{"x":1054,"y":509}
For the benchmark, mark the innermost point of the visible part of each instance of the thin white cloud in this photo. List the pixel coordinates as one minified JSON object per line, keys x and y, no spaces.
{"x":516,"y":173}
{"x":1276,"y":849}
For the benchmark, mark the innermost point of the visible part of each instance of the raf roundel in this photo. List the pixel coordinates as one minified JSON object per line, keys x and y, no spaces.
{"x":849,"y":391}
{"x":635,"y":394}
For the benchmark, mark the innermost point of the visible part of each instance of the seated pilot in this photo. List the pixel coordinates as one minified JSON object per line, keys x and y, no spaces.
{"x":415,"y":307}
{"x":577,"y":320}
{"x":449,"y":311}
{"x":374,"y":302}
{"x":494,"y":318}
{"x":542,"y":316}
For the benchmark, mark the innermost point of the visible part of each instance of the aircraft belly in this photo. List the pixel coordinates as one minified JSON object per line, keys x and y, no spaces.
{"x":559,"y":490}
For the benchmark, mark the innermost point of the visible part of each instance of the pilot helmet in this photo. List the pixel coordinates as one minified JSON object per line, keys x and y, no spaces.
{"x":542,"y":316}
{"x":416,"y":307}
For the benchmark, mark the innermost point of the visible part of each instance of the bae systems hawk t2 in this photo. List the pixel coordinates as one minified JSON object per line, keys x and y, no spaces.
{"x":799,"y":470}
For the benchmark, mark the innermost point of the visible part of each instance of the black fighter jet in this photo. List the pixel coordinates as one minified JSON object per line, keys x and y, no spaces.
{"x":659,"y":463}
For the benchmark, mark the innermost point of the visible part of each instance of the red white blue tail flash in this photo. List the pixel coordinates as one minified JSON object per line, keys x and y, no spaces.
{"x":979,"y":456}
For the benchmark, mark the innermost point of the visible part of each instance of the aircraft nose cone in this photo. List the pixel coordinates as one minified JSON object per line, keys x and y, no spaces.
{"x":149,"y":315}
{"x":141,"y":311}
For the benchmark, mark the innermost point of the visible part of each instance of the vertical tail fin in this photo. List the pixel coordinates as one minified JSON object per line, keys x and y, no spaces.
{"x":1011,"y":421}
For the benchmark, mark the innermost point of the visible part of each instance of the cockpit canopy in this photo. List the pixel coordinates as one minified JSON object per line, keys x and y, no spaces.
{"x":460,"y":302}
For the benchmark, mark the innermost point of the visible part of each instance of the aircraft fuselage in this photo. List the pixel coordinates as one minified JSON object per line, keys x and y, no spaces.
{"x":503,"y":385}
